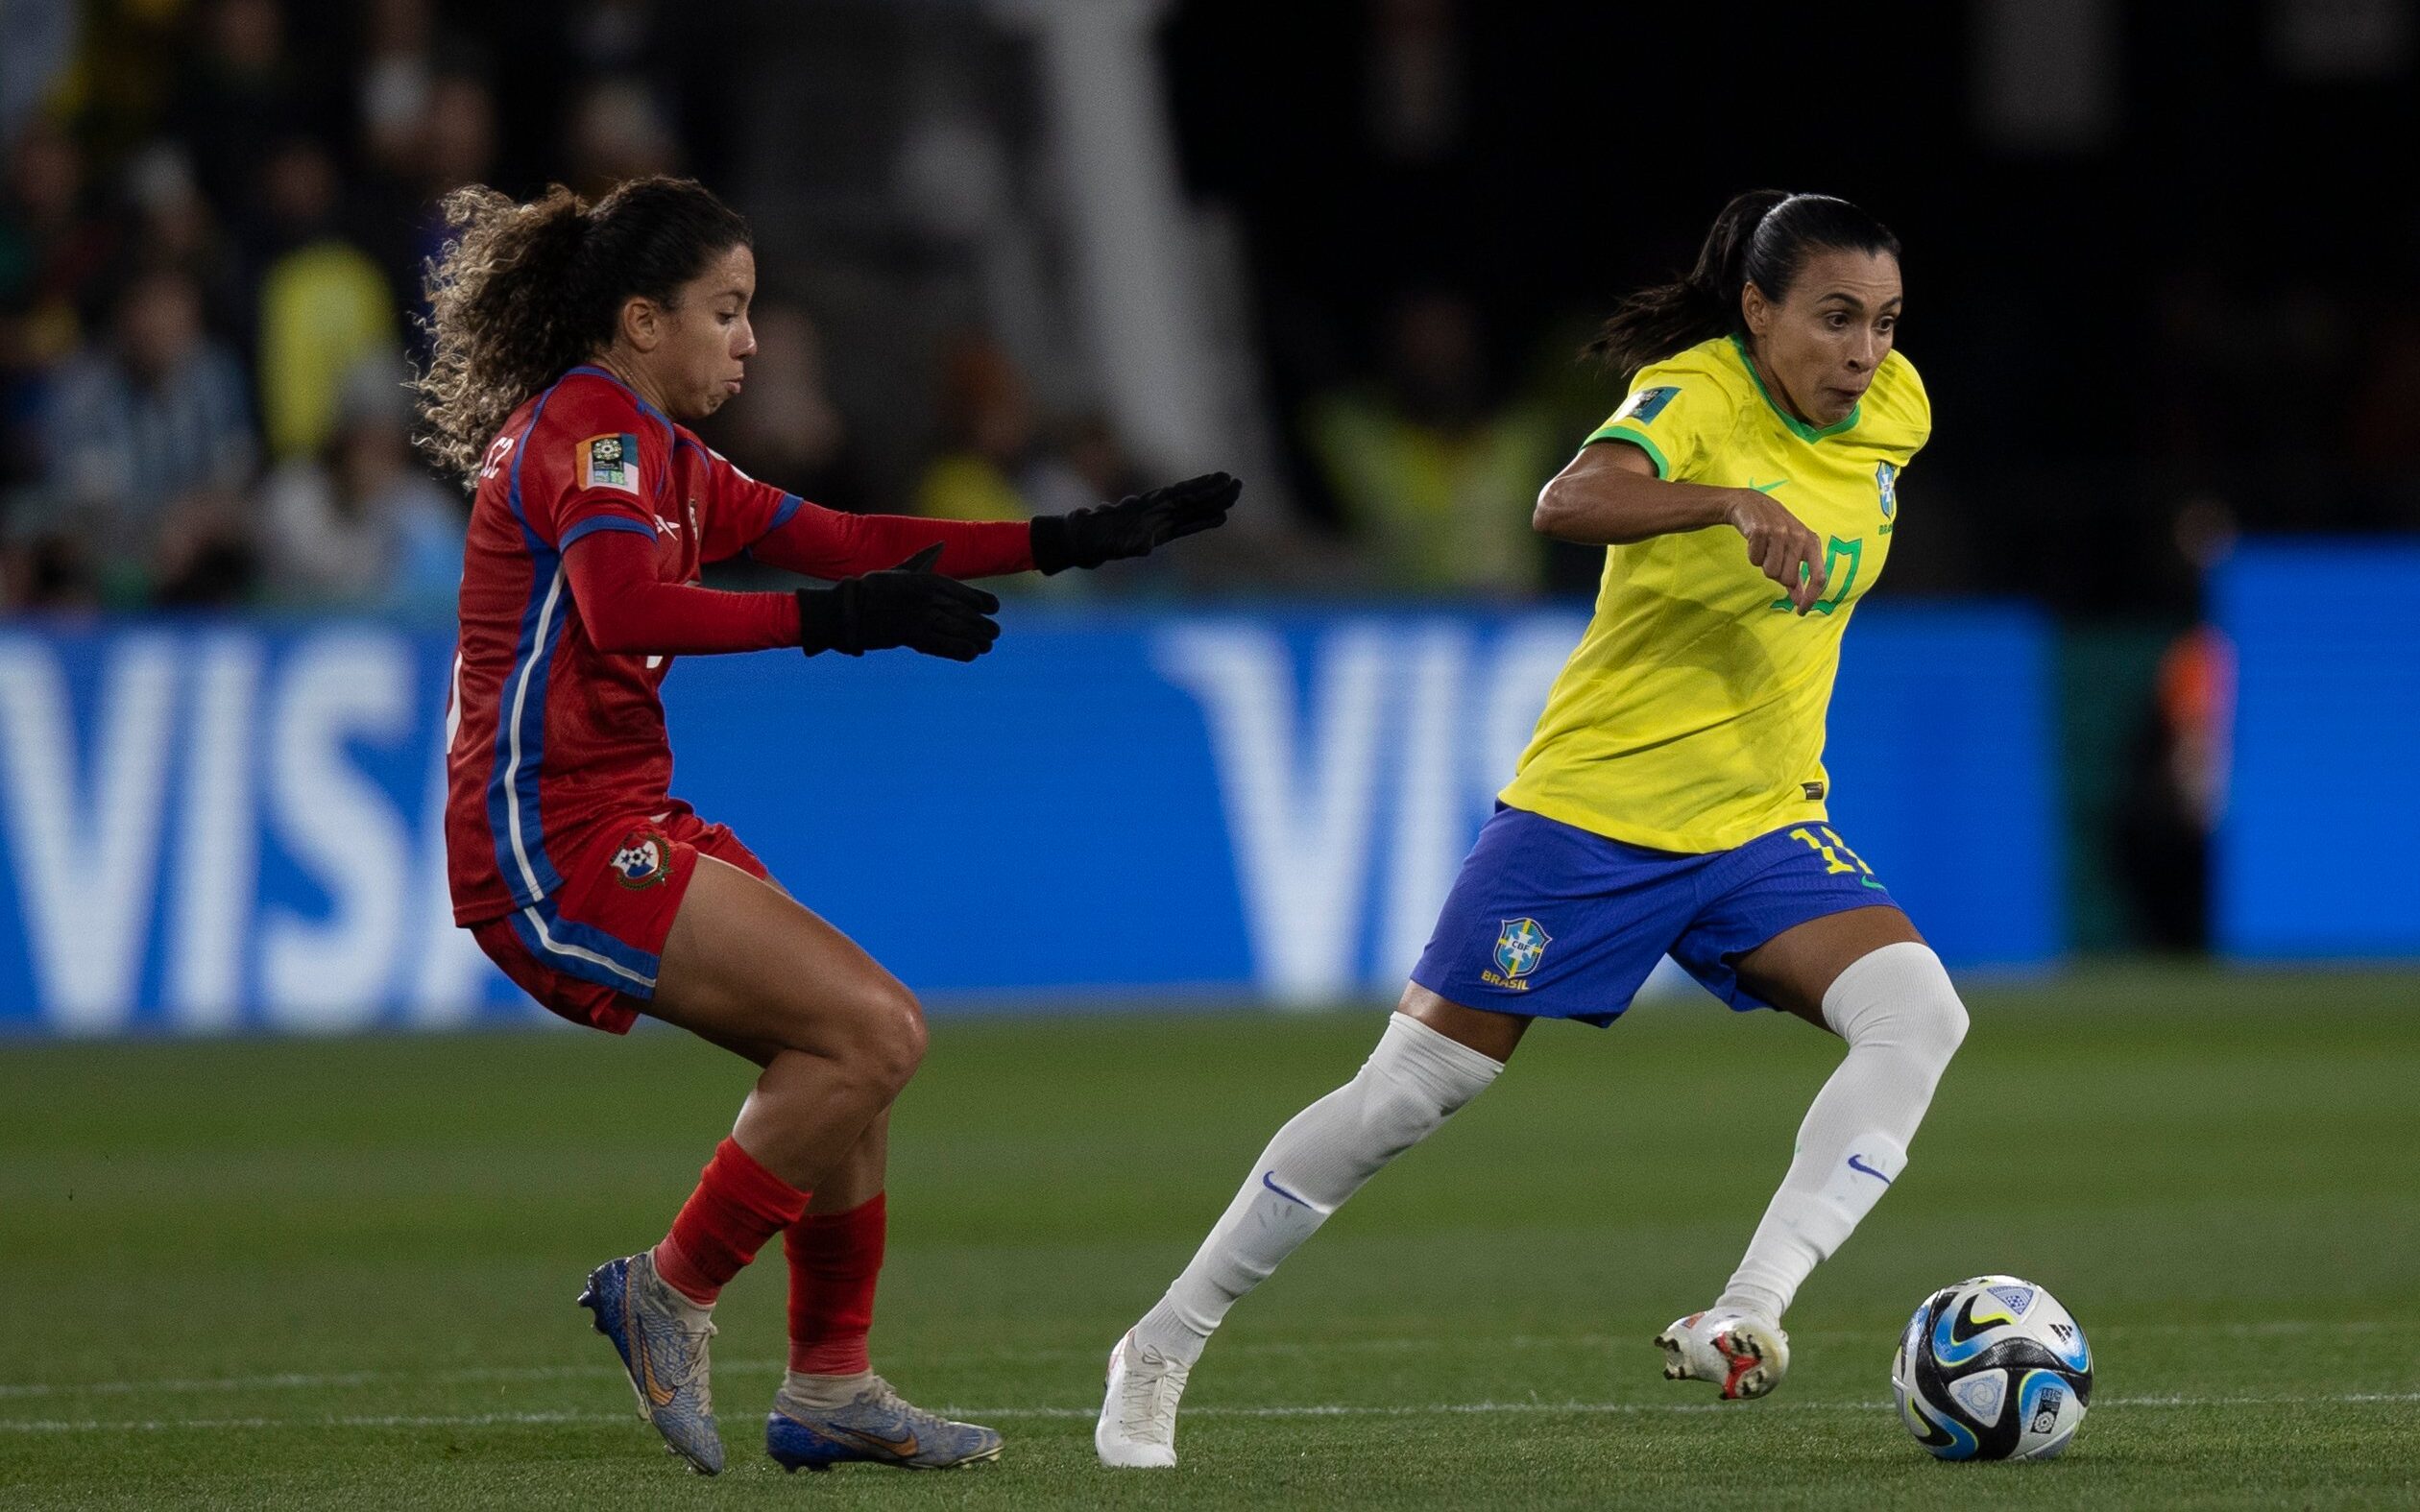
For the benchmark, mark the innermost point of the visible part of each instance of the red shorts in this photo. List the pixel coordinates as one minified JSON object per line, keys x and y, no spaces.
{"x":590,"y":951}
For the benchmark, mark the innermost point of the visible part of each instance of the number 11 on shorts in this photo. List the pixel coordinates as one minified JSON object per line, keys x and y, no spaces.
{"x":1833,"y":851}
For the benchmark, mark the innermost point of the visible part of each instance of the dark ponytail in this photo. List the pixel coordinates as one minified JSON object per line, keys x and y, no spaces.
{"x":1762,"y":237}
{"x":523,"y":291}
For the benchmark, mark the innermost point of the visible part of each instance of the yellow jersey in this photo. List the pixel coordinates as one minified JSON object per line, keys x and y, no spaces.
{"x":1691,"y":716}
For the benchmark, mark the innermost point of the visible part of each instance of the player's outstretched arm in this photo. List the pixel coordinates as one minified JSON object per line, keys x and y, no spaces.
{"x":909,"y":605}
{"x":819,"y":543}
{"x":1609,"y":495}
{"x":627,"y":610}
{"x":1134,"y":526}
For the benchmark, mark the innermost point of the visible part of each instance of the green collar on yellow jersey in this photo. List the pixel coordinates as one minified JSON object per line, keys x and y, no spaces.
{"x":1797,"y":427}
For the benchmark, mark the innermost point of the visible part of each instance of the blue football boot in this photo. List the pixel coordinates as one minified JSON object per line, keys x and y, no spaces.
{"x":873,"y":1426}
{"x":664,"y":1352}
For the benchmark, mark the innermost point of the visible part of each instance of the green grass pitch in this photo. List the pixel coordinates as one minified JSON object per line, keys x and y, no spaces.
{"x":279,"y":1273}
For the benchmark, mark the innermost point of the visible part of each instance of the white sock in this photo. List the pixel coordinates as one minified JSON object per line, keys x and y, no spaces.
{"x":1411,"y":1084}
{"x":823,"y":1392}
{"x":1903,"y":1020}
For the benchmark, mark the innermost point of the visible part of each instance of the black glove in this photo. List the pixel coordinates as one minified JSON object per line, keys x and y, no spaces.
{"x":1132,"y":526}
{"x":909,"y":605}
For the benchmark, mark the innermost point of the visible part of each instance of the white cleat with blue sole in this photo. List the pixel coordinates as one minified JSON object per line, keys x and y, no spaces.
{"x":664,"y":1350}
{"x":874,"y":1427}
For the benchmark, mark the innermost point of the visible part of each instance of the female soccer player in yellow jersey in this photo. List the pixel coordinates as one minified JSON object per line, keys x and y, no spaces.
{"x":1671,"y":800}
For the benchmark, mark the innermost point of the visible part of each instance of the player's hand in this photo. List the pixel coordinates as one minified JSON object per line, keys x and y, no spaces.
{"x":1133,"y":526}
{"x":908,"y":605}
{"x":1782,"y":547}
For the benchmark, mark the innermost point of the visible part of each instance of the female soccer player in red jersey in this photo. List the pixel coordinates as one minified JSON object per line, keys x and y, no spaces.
{"x":570,"y":345}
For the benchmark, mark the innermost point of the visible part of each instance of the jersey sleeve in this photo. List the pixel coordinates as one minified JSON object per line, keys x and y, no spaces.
{"x":1901,"y":408}
{"x":826,"y":543}
{"x":782,"y":530}
{"x":605,"y":461}
{"x":739,"y":511}
{"x":628,"y":611}
{"x":1675,"y":414}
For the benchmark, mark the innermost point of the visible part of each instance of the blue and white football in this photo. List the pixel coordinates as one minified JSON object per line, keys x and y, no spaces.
{"x":1993,"y":1368}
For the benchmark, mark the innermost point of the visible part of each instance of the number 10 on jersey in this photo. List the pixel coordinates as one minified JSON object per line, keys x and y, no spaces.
{"x":1834,"y":550}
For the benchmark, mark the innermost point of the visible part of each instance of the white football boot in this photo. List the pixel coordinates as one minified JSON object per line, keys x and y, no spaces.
{"x":1746,"y":1354}
{"x":1138,"y":1416}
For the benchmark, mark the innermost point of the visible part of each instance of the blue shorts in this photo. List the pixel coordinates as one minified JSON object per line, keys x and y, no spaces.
{"x":1558,"y":923}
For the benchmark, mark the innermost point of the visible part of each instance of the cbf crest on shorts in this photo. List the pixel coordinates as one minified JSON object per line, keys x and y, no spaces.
{"x":1520,"y":945}
{"x":644,"y":860}
{"x":610,"y":462}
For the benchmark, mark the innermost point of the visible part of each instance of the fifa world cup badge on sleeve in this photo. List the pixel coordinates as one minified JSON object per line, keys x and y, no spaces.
{"x":644,"y":860}
{"x":1520,"y":945}
{"x":610,"y":462}
{"x":1645,"y":405}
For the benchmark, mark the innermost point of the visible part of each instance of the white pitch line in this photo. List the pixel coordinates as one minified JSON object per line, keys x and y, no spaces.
{"x":384,"y":1421}
{"x":476,"y":1374}
{"x":293,"y":1382}
{"x":1305,"y":1410}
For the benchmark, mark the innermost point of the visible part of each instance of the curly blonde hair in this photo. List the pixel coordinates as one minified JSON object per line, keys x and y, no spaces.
{"x":522,"y":292}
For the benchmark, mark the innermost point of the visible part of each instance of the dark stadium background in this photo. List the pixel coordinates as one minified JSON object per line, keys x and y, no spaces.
{"x":2138,"y":692}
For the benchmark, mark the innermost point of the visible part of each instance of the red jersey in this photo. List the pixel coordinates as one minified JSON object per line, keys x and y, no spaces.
{"x":548,"y":735}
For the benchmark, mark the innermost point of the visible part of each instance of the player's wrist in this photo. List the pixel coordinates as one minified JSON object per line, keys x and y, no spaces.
{"x":1048,"y":539}
{"x":1738,"y":508}
{"x":830,"y":620}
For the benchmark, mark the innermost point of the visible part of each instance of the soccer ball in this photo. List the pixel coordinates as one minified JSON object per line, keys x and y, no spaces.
{"x":1993,"y":1368}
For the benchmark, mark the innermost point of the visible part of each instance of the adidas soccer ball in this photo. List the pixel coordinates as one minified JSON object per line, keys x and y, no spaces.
{"x":1993,"y":1368}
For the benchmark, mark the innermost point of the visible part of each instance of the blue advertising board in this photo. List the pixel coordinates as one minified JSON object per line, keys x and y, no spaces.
{"x":222,"y":825}
{"x":2315,"y":850}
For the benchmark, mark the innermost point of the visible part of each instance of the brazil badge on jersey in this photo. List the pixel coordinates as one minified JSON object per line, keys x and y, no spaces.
{"x":1691,"y":716}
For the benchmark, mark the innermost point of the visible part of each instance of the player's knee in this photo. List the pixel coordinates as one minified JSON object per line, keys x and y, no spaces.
{"x":1931,"y":1023}
{"x":1935,"y":1019}
{"x":1393,"y":1118}
{"x":1947,"y":1023}
{"x":1415,"y":1081}
{"x":1900,"y":997}
{"x":888,"y":1044}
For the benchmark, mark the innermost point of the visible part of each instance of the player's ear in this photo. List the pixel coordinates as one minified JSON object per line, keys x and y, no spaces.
{"x":1756,"y":308}
{"x":642,"y":323}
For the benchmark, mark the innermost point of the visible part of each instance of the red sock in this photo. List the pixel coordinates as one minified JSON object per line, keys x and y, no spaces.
{"x":833,"y":1261}
{"x":737,"y":1206}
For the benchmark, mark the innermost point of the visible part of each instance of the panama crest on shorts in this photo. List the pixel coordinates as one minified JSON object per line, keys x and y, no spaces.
{"x":642,"y":860}
{"x":1520,"y":945}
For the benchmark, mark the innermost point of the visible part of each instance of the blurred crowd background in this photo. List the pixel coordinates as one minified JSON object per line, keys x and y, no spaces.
{"x":1022,"y":254}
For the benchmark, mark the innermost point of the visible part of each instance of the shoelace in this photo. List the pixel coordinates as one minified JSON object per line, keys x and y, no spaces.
{"x":1152,"y":1407}
{"x":696,"y":1340}
{"x":884,"y":1394}
{"x":694,"y":1351}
